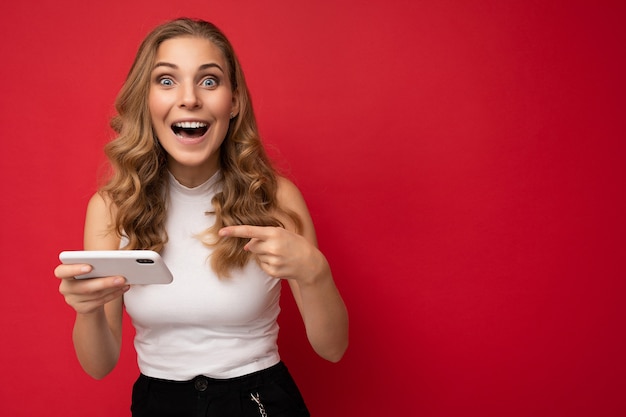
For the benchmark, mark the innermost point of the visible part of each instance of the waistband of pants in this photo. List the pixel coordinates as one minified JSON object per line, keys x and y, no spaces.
{"x":203,"y":383}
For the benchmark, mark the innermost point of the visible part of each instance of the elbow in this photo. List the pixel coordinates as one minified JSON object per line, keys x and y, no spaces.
{"x":332,"y":347}
{"x":335,"y":358}
{"x":97,"y":371}
{"x":98,"y":374}
{"x":335,"y":354}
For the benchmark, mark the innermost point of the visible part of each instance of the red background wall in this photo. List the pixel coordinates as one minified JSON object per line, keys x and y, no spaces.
{"x":463,"y":162}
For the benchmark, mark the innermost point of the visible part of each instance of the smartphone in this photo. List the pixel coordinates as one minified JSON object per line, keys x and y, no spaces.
{"x":137,"y":266}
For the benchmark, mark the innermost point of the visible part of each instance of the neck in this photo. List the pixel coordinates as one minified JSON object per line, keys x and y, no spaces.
{"x":192,"y":176}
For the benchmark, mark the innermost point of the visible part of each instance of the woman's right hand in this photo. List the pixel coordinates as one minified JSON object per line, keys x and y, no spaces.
{"x":88,"y":295}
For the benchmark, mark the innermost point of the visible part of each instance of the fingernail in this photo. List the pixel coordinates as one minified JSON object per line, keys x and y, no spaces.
{"x":119,"y":281}
{"x":85,"y":268}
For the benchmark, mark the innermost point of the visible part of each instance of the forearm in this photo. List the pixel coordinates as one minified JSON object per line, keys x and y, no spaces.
{"x":325,"y":315}
{"x":97,"y":348}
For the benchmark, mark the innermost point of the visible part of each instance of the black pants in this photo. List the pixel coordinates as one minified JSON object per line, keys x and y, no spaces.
{"x":270,"y":392}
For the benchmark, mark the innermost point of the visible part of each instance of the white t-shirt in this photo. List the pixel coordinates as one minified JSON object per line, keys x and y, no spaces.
{"x":201,"y":324}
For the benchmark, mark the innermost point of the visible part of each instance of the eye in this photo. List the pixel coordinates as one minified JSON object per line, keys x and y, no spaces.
{"x":166,"y":82}
{"x":209,"y":82}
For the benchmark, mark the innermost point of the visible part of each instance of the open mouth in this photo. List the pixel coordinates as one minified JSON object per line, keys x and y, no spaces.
{"x":189,"y":129}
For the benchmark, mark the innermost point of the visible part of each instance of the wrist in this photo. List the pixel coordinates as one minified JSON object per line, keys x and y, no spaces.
{"x":92,"y":314}
{"x":318,"y":271}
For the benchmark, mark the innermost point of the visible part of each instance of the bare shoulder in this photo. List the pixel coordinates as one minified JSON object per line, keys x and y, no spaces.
{"x":99,"y":224}
{"x":290,"y":198}
{"x":100,"y":212}
{"x":99,"y":202}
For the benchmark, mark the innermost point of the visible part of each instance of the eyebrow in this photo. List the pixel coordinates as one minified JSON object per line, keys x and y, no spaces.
{"x":174,"y":66}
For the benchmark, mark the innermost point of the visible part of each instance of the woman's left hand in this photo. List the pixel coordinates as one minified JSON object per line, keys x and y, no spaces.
{"x":281,"y":253}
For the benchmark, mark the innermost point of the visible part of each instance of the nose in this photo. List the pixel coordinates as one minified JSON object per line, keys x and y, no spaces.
{"x":189,"y":97}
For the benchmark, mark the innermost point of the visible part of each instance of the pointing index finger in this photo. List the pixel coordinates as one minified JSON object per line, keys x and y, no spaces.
{"x":245,"y":231}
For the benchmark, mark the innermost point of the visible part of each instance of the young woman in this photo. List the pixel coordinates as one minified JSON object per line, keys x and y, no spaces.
{"x":191,"y":180}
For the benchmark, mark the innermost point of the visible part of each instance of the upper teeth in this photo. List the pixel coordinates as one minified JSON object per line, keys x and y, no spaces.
{"x":190,"y":125}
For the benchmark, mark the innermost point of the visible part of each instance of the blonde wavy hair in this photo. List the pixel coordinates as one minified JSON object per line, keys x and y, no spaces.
{"x":138,"y":181}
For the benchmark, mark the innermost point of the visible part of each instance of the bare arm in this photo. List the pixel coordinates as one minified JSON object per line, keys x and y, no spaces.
{"x":285,"y":254}
{"x":98,"y":302}
{"x":321,"y":306}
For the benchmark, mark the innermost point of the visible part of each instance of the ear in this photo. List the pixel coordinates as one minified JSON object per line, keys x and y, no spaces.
{"x":234,"y":110}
